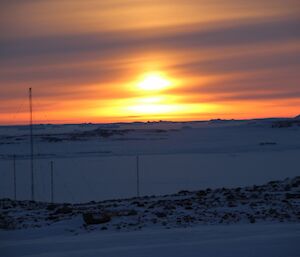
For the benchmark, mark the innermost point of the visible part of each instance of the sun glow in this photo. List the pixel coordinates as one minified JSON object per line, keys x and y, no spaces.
{"x":153,"y":82}
{"x":150,"y":97}
{"x":152,"y":105}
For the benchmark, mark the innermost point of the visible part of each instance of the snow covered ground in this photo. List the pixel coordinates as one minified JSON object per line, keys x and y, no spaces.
{"x":239,"y":240}
{"x":250,"y":221}
{"x":98,"y":161}
{"x":276,"y":201}
{"x":215,"y":164}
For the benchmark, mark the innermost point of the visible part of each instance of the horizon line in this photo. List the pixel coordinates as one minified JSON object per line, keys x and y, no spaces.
{"x":148,"y":121}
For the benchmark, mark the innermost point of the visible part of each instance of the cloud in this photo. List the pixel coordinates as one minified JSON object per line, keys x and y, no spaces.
{"x":103,"y":44}
{"x":249,"y":55}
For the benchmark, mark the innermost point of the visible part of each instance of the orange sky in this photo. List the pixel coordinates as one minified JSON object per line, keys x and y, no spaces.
{"x":86,"y":60}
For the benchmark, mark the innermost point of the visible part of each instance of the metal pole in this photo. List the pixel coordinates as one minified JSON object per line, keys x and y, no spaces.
{"x":15,"y":179}
{"x":52,"y":184}
{"x":31,"y":145}
{"x":137,"y":176}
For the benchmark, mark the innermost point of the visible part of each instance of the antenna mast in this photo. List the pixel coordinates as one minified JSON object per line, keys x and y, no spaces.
{"x":31,"y":145}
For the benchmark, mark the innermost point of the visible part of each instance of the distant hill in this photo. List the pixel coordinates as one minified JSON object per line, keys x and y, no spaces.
{"x":297,"y":117}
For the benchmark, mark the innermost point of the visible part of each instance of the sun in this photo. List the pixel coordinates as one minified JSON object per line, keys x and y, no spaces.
{"x":153,"y":81}
{"x":151,"y":96}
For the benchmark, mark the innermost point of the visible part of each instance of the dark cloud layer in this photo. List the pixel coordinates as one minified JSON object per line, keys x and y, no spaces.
{"x":249,"y":32}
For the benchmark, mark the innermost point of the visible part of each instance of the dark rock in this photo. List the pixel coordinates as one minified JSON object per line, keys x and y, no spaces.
{"x":184,"y":192}
{"x":231,"y":204}
{"x":251,"y":219}
{"x":154,"y":221}
{"x":7,"y":222}
{"x":230,"y":197}
{"x":53,"y":217}
{"x":292,"y":196}
{"x":138,"y":204}
{"x":64,"y":210}
{"x":238,"y":189}
{"x":208,"y":190}
{"x":169,"y":207}
{"x":187,"y":218}
{"x":201,"y":193}
{"x":160,"y":214}
{"x":92,"y":219}
{"x":51,"y":207}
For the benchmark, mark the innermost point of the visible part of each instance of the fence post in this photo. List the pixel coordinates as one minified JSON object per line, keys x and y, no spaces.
{"x":15,"y":178}
{"x":52,"y":182}
{"x":137,"y":176}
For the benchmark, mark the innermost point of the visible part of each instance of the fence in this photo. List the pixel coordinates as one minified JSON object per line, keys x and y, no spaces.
{"x":78,"y":179}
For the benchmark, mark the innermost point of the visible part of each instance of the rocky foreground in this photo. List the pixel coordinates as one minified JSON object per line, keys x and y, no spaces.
{"x":276,"y":201}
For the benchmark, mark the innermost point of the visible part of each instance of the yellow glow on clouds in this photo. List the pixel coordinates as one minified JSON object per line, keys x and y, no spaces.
{"x":148,"y":98}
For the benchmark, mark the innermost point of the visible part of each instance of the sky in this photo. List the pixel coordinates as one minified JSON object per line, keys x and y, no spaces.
{"x":141,"y":60}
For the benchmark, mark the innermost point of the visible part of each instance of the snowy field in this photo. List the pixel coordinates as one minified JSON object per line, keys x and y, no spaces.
{"x":249,"y":221}
{"x":97,"y":162}
{"x":274,"y":240}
